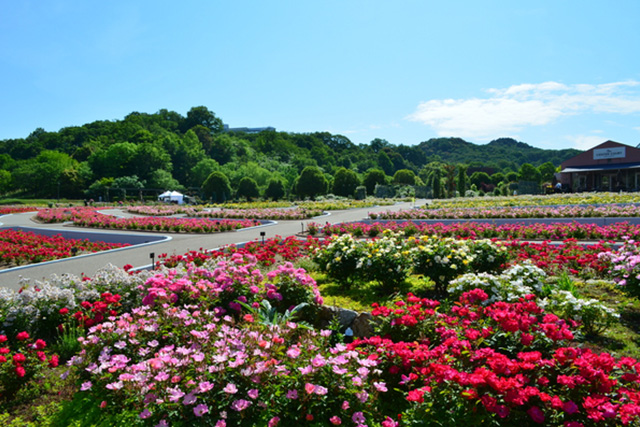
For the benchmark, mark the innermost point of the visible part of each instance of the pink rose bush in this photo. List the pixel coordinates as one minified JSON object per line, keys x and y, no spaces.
{"x":181,"y":365}
{"x":221,"y":284}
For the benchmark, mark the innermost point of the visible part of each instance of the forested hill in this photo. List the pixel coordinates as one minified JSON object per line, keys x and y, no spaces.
{"x":166,"y":150}
{"x":502,"y":152}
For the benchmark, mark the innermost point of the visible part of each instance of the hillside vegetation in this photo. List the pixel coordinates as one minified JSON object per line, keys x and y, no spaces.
{"x":145,"y":153}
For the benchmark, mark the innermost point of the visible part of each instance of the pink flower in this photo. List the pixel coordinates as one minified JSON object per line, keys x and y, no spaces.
{"x":380,"y":386}
{"x":309,"y":388}
{"x":253,"y":393}
{"x":358,"y":417}
{"x":189,"y":399}
{"x":335,"y":420}
{"x":388,"y":422}
{"x":205,"y":386}
{"x":200,"y":410}
{"x":85,"y":386}
{"x":230,"y":388}
{"x":293,"y":352}
{"x":145,"y":414}
{"x":240,"y":405}
{"x":273,"y":422}
{"x":292,"y":394}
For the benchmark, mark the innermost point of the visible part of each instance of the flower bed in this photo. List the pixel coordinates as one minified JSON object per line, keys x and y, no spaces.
{"x":275,"y":214}
{"x":88,"y":217}
{"x":207,"y":338}
{"x":163,"y":210}
{"x":25,"y":247}
{"x":6,"y":210}
{"x":588,"y":211}
{"x":599,"y":198}
{"x":481,"y":230}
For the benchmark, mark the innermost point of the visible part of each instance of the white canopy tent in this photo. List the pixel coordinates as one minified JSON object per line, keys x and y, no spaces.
{"x":172,"y":197}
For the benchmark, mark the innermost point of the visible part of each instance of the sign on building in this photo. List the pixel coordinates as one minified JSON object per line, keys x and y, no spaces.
{"x":609,"y":153}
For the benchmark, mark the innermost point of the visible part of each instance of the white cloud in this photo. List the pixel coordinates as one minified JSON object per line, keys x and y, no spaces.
{"x":507,"y":111}
{"x":585,"y":142}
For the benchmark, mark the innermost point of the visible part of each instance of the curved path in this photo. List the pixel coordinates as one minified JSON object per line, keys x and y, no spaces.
{"x":139,"y":256}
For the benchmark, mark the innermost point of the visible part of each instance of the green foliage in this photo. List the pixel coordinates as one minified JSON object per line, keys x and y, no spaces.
{"x":311,"y":183}
{"x":275,"y":189}
{"x":216,"y":187}
{"x":404,"y":177}
{"x":345,"y":182}
{"x":248,"y":188}
{"x":372,"y":178}
{"x":462,"y":180}
{"x":528,"y":172}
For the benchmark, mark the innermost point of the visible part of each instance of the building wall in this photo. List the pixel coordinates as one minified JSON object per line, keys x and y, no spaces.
{"x":632,"y":155}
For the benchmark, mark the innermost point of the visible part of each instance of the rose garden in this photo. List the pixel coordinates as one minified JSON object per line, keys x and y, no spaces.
{"x":472,"y":321}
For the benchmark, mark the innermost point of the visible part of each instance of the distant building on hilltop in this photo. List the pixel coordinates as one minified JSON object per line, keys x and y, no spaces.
{"x":247,"y":130}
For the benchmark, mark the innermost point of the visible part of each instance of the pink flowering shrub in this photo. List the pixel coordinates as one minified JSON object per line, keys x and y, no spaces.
{"x":503,"y":364}
{"x":187,"y":366}
{"x":624,"y":266}
{"x":221,"y":284}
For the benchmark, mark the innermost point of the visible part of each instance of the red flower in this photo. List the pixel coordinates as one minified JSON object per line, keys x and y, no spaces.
{"x":22,"y":336}
{"x":40,"y":344}
{"x":416,"y":395}
{"x":3,"y":338}
{"x":20,"y":371}
{"x":64,"y":311}
{"x":53,"y":361}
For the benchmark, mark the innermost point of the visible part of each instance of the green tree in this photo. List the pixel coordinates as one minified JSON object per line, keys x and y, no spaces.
{"x":275,"y":189}
{"x":44,"y":175}
{"x":216,"y":187}
{"x":436,"y":184}
{"x":345,"y":182}
{"x":404,"y":177}
{"x":201,"y":116}
{"x":311,"y":183}
{"x":479,"y":178}
{"x":511,"y":176}
{"x":385,"y":163}
{"x":498,"y":178}
{"x":5,"y":180}
{"x":163,"y":180}
{"x":547,"y":170}
{"x":462,"y":179}
{"x":248,"y":188}
{"x":201,"y":171}
{"x":372,"y":177}
{"x":117,"y":160}
{"x":528,"y":172}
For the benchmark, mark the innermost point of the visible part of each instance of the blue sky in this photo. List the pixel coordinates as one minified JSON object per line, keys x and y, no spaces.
{"x":553,"y":74}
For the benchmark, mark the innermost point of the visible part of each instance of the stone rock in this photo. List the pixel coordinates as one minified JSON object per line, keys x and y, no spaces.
{"x":346,"y":317}
{"x":362,"y":327}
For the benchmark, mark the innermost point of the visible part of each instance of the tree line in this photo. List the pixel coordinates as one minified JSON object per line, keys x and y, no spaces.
{"x":146,"y":153}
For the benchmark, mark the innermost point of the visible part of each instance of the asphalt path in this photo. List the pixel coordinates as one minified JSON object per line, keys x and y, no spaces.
{"x":177,"y":243}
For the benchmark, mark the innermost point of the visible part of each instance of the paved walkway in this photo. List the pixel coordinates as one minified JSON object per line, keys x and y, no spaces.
{"x":139,"y":256}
